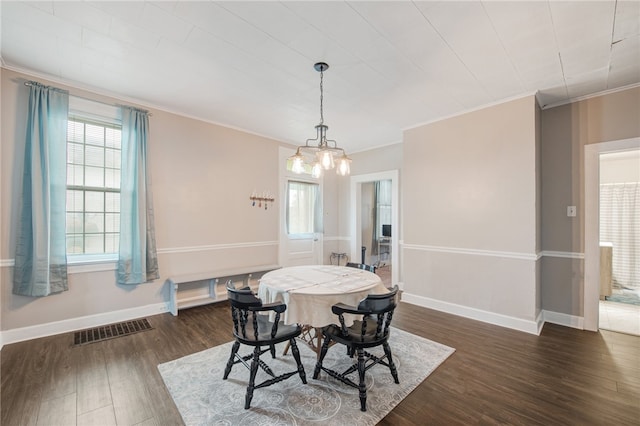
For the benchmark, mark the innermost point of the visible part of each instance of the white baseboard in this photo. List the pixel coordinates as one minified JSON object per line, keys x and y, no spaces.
{"x":65,"y":326}
{"x":73,"y":324}
{"x":564,"y":319}
{"x":532,"y":327}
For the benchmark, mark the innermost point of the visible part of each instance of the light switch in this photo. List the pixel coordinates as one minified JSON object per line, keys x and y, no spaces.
{"x":571,"y":211}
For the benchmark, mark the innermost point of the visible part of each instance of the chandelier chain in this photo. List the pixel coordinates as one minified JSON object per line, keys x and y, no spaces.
{"x":321,"y":97}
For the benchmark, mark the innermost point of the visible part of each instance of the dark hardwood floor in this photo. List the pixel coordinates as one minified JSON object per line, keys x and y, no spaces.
{"x":496,"y":376}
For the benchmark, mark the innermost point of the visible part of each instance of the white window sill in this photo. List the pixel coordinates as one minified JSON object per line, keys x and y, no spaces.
{"x":83,"y":263}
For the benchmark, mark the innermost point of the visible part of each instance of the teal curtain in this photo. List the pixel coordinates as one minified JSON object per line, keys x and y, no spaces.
{"x":137,"y":257}
{"x":41,"y":258}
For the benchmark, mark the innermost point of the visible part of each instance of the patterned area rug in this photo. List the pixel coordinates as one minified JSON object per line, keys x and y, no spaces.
{"x":203,"y":398}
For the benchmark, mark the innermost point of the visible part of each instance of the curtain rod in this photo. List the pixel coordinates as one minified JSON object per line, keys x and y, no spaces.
{"x":35,"y":83}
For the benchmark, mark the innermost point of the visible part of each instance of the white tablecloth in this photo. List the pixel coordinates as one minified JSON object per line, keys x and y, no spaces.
{"x":310,"y":291}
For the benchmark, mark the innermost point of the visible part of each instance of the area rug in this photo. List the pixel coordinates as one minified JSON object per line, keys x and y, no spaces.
{"x":203,"y":398}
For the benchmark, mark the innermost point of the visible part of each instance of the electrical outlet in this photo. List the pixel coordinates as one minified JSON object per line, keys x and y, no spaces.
{"x":571,"y":211}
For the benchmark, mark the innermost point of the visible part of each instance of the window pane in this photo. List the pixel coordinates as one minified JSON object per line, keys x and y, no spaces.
{"x":93,"y":222}
{"x":74,"y":175}
{"x":94,"y":176}
{"x":95,"y":135}
{"x":94,"y":201}
{"x":75,"y":153}
{"x":75,"y":201}
{"x":74,"y":244}
{"x":94,"y":156}
{"x":112,"y":222}
{"x":111,"y":242}
{"x":75,"y":131}
{"x":112,"y":202}
{"x":94,"y":243}
{"x":112,"y":158}
{"x":74,"y":223}
{"x":112,"y":178}
{"x":113,"y":137}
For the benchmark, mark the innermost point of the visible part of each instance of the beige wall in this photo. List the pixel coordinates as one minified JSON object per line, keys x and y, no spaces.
{"x":469,"y":212}
{"x":565,"y":132}
{"x":204,"y":220}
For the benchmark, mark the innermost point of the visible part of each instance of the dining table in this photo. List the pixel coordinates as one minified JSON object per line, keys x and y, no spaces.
{"x":310,"y":291}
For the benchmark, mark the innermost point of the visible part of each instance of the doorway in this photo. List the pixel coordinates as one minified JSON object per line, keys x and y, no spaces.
{"x":381,"y":244}
{"x":592,"y":270}
{"x":619,"y":227}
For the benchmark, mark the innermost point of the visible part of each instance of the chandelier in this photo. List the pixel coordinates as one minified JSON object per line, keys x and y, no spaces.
{"x":320,"y":153}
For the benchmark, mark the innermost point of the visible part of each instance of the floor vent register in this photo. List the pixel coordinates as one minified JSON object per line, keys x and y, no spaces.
{"x":112,"y":331}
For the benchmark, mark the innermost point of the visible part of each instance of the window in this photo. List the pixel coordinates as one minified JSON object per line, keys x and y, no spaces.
{"x":303,"y":208}
{"x":383,"y":200}
{"x":93,"y":186}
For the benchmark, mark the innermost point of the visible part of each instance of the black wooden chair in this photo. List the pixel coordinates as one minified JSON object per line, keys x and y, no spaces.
{"x":370,"y":268}
{"x":371,"y":330}
{"x":252,"y":326}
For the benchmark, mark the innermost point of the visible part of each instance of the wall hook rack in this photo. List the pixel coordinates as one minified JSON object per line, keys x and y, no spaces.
{"x":258,"y":200}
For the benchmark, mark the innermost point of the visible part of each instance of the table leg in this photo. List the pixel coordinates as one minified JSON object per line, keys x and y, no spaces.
{"x":308,"y":335}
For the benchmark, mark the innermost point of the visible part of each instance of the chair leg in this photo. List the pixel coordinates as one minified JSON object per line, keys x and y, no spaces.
{"x":273,"y":351}
{"x":234,"y":351}
{"x":323,"y":353}
{"x":296,"y":356}
{"x":392,"y":366}
{"x":252,"y":377}
{"x":362,"y":388}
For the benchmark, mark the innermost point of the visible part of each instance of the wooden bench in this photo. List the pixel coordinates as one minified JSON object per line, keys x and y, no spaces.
{"x":217,"y":290}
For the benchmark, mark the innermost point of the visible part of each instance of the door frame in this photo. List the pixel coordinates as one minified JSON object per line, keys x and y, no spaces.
{"x":355,"y":216}
{"x":592,"y":224}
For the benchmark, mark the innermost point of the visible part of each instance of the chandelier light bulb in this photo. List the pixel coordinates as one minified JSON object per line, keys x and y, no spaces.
{"x":316,"y":171}
{"x":344,"y":166}
{"x":298,"y":164}
{"x":326,"y":159}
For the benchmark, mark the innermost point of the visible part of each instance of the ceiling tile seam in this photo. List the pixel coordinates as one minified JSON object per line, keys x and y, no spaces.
{"x":504,"y":49}
{"x":555,"y":38}
{"x":613,"y":30}
{"x":486,"y":92}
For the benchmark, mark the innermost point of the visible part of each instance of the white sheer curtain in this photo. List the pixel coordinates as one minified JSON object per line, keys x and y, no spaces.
{"x":304,"y":208}
{"x":620,"y":225}
{"x":381,"y":212}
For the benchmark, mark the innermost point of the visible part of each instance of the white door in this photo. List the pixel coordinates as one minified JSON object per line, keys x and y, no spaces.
{"x":302,"y":238}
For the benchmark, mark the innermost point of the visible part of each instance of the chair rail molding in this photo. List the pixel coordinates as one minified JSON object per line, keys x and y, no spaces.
{"x":475,"y":252}
{"x":171,"y":250}
{"x":5,"y":263}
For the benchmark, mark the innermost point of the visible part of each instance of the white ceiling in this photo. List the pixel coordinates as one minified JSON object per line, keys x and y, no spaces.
{"x":393,"y":64}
